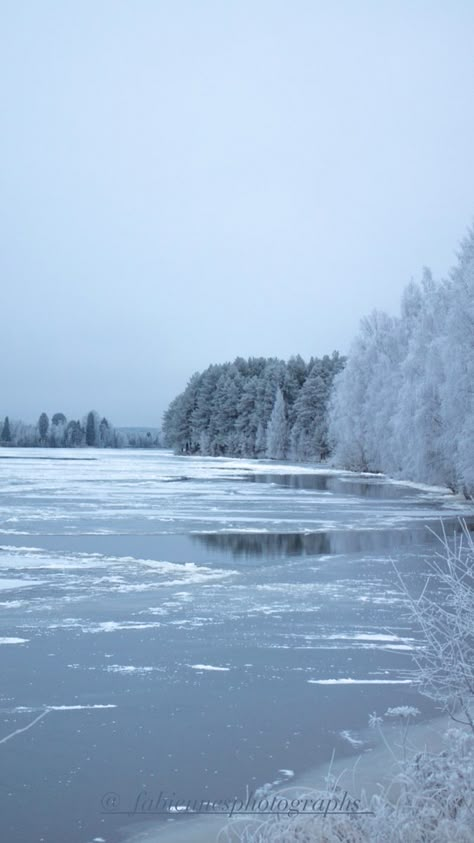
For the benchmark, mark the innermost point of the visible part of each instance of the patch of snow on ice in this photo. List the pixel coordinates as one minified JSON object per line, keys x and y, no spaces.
{"x":14,"y":640}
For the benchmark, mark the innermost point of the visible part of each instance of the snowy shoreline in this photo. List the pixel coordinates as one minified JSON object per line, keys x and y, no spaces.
{"x":362,"y":774}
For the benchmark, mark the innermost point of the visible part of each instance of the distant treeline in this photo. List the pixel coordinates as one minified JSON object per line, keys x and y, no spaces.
{"x":93,"y":431}
{"x":259,"y":407}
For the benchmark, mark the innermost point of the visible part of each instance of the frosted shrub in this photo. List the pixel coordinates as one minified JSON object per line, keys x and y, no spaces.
{"x":445,"y":615}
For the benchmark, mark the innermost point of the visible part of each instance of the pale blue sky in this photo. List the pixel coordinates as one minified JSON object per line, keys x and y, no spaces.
{"x":185,"y":182}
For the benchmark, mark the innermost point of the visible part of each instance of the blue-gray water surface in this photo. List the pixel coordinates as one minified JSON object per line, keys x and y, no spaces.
{"x":189,"y":625}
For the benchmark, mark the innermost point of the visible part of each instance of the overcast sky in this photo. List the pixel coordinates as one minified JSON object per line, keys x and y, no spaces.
{"x":185,"y":182}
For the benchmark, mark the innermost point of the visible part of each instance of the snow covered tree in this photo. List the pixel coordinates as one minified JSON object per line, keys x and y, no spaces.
{"x":105,"y":433}
{"x":91,"y":429}
{"x":457,"y":395}
{"x":43,"y":426}
{"x":74,"y":434}
{"x":277,"y":430}
{"x":405,"y":401}
{"x":246,"y":423}
{"x":418,"y":423}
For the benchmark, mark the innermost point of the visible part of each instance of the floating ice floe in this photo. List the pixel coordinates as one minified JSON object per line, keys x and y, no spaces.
{"x":78,"y":707}
{"x":349,"y":737}
{"x":114,"y":626}
{"x":14,"y":640}
{"x":130,"y":669}
{"x":349,"y":681}
{"x":207,"y":667}
{"x":363,"y":636}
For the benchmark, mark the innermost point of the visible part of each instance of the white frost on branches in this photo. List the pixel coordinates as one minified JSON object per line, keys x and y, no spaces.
{"x":404,"y":404}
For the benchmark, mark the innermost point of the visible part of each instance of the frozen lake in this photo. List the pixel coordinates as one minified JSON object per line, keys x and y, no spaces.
{"x":188,"y":626}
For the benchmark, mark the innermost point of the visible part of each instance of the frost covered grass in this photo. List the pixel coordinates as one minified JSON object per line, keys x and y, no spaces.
{"x":429,"y":796}
{"x":428,"y":799}
{"x":445,"y":615}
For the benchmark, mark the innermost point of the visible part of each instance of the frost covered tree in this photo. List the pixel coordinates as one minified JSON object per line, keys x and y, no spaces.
{"x":43,"y":426}
{"x":349,"y":415}
{"x":74,"y":434}
{"x":309,"y":433}
{"x":277,"y":430}
{"x":308,"y":411}
{"x":421,"y":376}
{"x":457,"y":398}
{"x":404,"y":403}
{"x":105,"y":433}
{"x":247,"y":423}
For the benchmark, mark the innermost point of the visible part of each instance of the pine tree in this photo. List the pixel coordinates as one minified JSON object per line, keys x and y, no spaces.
{"x":91,"y":431}
{"x":104,"y":433}
{"x":43,"y":426}
{"x":277,"y":430}
{"x":6,"y":432}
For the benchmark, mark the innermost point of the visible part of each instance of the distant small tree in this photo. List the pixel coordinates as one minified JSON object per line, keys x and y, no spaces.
{"x":104,"y":433}
{"x":6,"y":432}
{"x":91,"y":430}
{"x":57,"y":431}
{"x":43,"y":426}
{"x":74,"y":434}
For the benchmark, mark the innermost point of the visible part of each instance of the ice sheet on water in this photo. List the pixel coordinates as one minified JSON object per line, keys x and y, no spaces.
{"x":106,"y":572}
{"x":12,"y":584}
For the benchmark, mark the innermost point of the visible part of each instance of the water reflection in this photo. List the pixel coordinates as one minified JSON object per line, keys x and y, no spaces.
{"x":272,"y":545}
{"x":377,"y":488}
